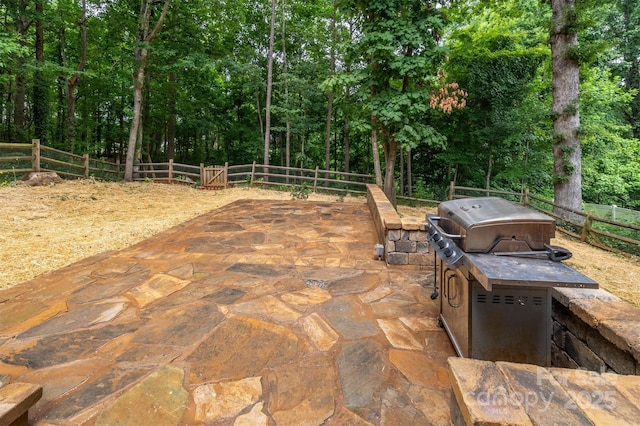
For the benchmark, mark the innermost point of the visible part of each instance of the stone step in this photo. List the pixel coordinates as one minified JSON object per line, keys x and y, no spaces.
{"x":504,"y":393}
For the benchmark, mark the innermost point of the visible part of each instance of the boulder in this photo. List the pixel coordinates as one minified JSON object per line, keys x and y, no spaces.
{"x":41,"y":178}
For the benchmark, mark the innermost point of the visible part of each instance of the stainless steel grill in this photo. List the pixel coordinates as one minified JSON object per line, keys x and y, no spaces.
{"x":495,"y":270}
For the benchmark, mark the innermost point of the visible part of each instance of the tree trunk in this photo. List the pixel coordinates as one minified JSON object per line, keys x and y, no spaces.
{"x":487,"y":177}
{"x":565,"y":105}
{"x":22,"y":26}
{"x":40,"y":89}
{"x":141,"y":54}
{"x":332,"y":70}
{"x":375,"y":151}
{"x":171,"y":124}
{"x":390,"y":154}
{"x":286,"y":93}
{"x":267,"y":120}
{"x":409,"y":173}
{"x":73,"y":81}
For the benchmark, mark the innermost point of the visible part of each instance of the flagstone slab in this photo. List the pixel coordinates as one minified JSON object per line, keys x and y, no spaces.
{"x":328,"y":276}
{"x":596,"y":397}
{"x":64,"y":379}
{"x":421,"y":323}
{"x":358,"y":284}
{"x":259,"y":270}
{"x":306,"y":297}
{"x":19,"y":317}
{"x":180,"y":326}
{"x":76,"y":319}
{"x":396,"y":305}
{"x":302,"y":394}
{"x":222,"y":227}
{"x":398,"y":335}
{"x":361,"y":370}
{"x":541,"y":395}
{"x":375,"y":294}
{"x":242,"y":347}
{"x":267,"y":307}
{"x":320,"y":333}
{"x":157,"y":287}
{"x":255,"y":417}
{"x":398,"y":409}
{"x":349,"y":318}
{"x":419,"y":369}
{"x":135,"y":355}
{"x":159,"y":399}
{"x":93,"y":392}
{"x":433,"y":404}
{"x":107,"y":288}
{"x":62,"y":348}
{"x":345,"y":417}
{"x":226,"y":399}
{"x":226,"y":296}
{"x":111,"y":267}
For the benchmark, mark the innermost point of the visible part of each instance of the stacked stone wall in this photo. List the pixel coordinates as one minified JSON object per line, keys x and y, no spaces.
{"x":404,"y":240}
{"x":595,"y":330}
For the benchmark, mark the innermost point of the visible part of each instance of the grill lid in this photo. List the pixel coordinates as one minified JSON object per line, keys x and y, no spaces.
{"x":471,"y":213}
{"x":493,"y":224}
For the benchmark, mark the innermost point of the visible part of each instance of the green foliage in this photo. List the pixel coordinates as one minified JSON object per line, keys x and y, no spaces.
{"x":301,"y":192}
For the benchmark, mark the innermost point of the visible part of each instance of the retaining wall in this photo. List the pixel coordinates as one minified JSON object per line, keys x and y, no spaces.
{"x":404,"y":239}
{"x":595,"y":330}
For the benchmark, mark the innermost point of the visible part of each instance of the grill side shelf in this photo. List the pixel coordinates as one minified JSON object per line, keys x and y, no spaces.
{"x":492,"y":270}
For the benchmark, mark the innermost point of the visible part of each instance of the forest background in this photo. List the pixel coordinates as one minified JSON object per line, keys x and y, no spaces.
{"x":461,"y":88}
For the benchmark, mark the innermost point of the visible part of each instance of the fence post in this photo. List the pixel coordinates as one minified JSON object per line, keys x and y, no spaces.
{"x":315,"y":180}
{"x":586,"y":226}
{"x":226,"y":173}
{"x":253,"y":171}
{"x":526,"y":196}
{"x":202,"y":182}
{"x":452,"y":190}
{"x":170,"y":169}
{"x":85,"y":163}
{"x":35,"y":155}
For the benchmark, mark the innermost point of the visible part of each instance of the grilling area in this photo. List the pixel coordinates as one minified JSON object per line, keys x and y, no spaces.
{"x":286,"y":316}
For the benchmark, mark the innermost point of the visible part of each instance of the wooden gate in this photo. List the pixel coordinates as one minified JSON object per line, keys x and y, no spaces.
{"x":214,"y":177}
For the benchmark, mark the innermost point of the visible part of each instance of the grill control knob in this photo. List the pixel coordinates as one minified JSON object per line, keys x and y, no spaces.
{"x":442,"y":244}
{"x":447,"y":252}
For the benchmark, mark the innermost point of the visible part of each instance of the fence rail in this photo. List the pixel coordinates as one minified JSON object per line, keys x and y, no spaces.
{"x":34,"y":157}
{"x":601,"y":232}
{"x":19,"y":158}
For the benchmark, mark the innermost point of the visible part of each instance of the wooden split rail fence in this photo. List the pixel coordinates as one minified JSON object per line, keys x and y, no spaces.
{"x":585,"y":226}
{"x":17,"y":159}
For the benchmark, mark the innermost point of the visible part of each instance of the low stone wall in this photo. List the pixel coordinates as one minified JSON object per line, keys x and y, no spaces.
{"x":404,"y":239}
{"x":595,"y":330}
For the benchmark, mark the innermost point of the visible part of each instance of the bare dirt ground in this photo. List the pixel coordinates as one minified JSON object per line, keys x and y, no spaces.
{"x":44,"y":228}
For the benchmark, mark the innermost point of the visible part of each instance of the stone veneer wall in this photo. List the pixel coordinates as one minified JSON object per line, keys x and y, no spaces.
{"x":595,"y":330}
{"x":404,"y":239}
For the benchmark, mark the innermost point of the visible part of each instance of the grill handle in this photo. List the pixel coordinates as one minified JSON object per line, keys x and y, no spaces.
{"x":434,"y":221}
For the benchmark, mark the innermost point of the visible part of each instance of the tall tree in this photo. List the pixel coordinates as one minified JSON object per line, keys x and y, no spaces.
{"x":145,"y":37}
{"x":267,"y":124}
{"x":567,"y":152}
{"x":40,"y":86}
{"x":401,"y":42}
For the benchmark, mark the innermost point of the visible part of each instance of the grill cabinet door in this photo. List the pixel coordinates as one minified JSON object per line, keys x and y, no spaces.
{"x":454,"y":307}
{"x":511,"y":324}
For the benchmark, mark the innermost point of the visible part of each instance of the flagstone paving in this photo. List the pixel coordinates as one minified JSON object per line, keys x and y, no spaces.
{"x":259,"y":313}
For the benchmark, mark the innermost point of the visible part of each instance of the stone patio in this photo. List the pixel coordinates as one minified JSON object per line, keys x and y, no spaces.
{"x":259,"y":313}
